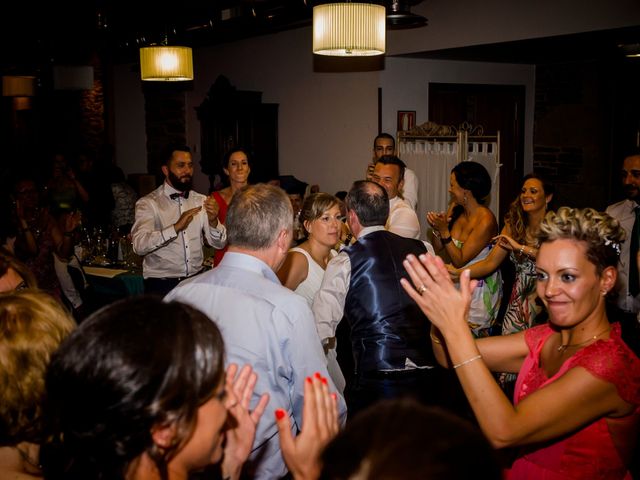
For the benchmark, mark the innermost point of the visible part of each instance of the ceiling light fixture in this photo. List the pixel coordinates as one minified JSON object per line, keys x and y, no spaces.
{"x":347,"y":29}
{"x":162,"y":63}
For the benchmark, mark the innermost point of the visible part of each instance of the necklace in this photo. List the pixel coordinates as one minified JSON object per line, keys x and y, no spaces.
{"x":563,"y":348}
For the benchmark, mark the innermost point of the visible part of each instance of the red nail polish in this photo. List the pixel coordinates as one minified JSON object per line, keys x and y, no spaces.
{"x":324,"y":380}
{"x":334,"y":396}
{"x":279,"y":414}
{"x":318,"y":376}
{"x":309,"y":380}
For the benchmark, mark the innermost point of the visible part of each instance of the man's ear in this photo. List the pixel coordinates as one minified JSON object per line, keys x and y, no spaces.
{"x":165,"y":170}
{"x":284,"y":240}
{"x":164,"y":435}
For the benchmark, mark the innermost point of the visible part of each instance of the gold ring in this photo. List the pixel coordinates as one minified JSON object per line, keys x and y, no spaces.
{"x":422,"y":289}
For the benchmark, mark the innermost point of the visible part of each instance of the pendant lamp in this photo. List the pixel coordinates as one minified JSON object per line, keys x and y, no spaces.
{"x":163,"y":63}
{"x":346,"y":29}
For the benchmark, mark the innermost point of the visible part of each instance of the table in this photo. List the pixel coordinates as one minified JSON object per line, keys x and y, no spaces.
{"x":114,"y":282}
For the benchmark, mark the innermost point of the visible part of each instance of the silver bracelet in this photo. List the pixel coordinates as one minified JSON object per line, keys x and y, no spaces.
{"x":472,"y":359}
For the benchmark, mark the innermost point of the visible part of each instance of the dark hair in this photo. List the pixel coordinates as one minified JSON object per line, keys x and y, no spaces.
{"x":256,"y":216}
{"x":227,"y":156}
{"x":393,"y":160}
{"x":385,"y":136}
{"x":8,"y":260}
{"x":174,"y":147}
{"x":473,"y":177}
{"x":404,"y":439}
{"x":370,"y":202}
{"x":133,"y":365}
{"x":516,"y":217}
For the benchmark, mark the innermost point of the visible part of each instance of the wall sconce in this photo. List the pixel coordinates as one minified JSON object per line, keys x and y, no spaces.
{"x":18,"y":86}
{"x":162,"y":63}
{"x":349,"y":29}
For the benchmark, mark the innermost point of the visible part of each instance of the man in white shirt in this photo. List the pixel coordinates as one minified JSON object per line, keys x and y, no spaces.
{"x":389,"y":173}
{"x":625,"y":213}
{"x":385,"y":144}
{"x":171,"y":224}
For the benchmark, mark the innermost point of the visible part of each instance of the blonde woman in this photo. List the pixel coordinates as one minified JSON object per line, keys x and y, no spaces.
{"x":577,"y":396}
{"x":304,"y":266}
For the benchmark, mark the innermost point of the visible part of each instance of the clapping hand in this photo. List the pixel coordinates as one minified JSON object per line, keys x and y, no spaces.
{"x":242,"y":422}
{"x":212,"y":208}
{"x":319,"y":426}
{"x":446,"y":306}
{"x":186,"y":218}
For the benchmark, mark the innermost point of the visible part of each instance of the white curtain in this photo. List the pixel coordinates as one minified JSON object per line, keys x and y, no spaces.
{"x":486,"y":154}
{"x":432,"y":161}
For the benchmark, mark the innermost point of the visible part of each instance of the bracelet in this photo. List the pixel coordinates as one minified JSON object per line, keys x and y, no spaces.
{"x":521,"y":249}
{"x":472,"y":359}
{"x":444,"y":241}
{"x":434,"y":339}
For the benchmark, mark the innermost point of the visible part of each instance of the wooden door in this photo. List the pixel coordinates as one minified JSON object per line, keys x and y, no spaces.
{"x":495,"y":108}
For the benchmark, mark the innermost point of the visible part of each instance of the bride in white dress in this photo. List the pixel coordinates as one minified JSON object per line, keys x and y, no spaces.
{"x":304,"y":267}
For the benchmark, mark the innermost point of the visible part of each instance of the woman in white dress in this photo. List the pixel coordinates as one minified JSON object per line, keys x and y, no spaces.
{"x":304,"y":267}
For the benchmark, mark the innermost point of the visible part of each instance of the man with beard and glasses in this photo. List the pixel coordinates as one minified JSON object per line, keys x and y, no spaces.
{"x":627,"y":212}
{"x":171,"y":224}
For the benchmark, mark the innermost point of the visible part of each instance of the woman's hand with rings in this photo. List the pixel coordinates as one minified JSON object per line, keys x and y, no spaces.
{"x":435,"y":293}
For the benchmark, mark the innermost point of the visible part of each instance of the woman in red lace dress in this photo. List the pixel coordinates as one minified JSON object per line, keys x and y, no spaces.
{"x":236,"y":167}
{"x":577,"y":396}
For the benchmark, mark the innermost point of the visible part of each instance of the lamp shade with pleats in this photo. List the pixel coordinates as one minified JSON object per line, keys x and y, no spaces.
{"x":349,"y":29}
{"x":18,"y":86}
{"x":166,"y":63}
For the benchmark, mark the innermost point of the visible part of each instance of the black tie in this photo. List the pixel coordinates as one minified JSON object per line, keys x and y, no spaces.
{"x":185,"y":195}
{"x":634,"y":281}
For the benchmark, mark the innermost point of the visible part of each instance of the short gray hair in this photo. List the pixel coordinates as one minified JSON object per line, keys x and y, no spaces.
{"x":256,"y":216}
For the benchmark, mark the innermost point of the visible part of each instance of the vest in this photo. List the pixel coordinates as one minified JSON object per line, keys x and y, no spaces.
{"x":387,"y":326}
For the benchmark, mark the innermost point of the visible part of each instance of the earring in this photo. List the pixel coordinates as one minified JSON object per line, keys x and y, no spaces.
{"x":464,"y":199}
{"x":604,"y":293}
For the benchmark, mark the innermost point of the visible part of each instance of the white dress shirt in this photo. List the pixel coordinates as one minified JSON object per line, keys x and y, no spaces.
{"x":623,"y":212}
{"x":403,"y":219}
{"x":168,"y":254}
{"x":328,"y":303}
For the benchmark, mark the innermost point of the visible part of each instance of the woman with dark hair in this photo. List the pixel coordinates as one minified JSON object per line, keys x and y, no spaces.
{"x":236,"y":167}
{"x":519,"y":239}
{"x":139,"y":392}
{"x":465,"y":233}
{"x":576,"y":406}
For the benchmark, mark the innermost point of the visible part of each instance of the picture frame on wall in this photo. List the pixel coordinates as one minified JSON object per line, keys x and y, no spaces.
{"x":406,"y":120}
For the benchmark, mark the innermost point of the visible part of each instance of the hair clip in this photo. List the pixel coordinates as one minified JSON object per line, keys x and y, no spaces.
{"x":614,"y":245}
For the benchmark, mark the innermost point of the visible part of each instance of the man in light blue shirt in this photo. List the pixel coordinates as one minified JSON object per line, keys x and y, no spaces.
{"x":263,"y":323}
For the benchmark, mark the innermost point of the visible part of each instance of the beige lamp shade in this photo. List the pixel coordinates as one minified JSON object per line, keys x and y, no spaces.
{"x":18,"y":86}
{"x":349,"y":29}
{"x":166,"y":64}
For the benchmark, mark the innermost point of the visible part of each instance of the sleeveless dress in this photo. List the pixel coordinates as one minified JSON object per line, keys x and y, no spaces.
{"x":522,"y":309}
{"x":593,"y":451}
{"x":222,"y":217}
{"x":308,"y":289}
{"x":485,"y":301}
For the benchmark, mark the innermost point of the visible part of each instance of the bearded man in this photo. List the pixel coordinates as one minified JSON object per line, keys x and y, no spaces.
{"x":171,"y":225}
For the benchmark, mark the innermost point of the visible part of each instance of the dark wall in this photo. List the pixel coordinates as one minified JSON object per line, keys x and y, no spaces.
{"x":579,"y":124}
